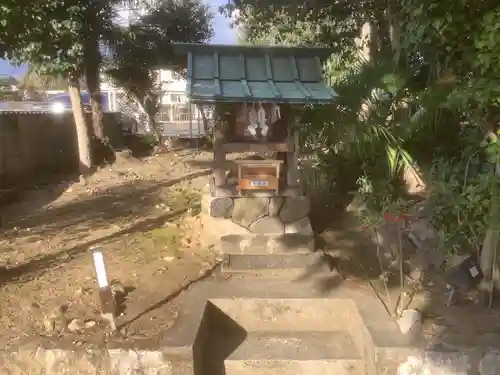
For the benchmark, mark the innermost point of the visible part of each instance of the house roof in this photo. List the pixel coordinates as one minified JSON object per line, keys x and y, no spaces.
{"x":229,"y":73}
{"x":6,"y":79}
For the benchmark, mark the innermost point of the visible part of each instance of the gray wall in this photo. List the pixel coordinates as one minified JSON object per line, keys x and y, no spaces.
{"x":35,"y":147}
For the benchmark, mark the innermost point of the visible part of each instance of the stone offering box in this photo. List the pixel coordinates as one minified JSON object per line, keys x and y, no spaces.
{"x":257,"y":94}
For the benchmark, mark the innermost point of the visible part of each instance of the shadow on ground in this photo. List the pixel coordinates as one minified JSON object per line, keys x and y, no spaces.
{"x":468,"y":327}
{"x":124,"y":202}
{"x":95,"y":219}
{"x":52,"y":188}
{"x":35,"y":267}
{"x":217,"y":338}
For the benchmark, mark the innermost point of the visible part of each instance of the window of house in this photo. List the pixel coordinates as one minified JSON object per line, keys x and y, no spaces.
{"x":175,"y":98}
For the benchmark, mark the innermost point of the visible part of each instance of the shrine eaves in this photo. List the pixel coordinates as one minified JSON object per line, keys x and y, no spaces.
{"x":232,"y":74}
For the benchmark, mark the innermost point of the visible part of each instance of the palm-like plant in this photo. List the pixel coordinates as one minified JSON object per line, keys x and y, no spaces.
{"x":369,"y":123}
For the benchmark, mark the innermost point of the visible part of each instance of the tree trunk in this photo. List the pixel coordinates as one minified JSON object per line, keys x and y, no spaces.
{"x":154,"y":128}
{"x":150,"y":113}
{"x":93,"y":84}
{"x":488,"y":254}
{"x":82,"y":133}
{"x":203,"y":118}
{"x":395,"y":33}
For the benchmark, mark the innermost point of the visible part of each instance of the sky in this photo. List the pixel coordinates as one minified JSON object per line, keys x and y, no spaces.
{"x":223,"y":35}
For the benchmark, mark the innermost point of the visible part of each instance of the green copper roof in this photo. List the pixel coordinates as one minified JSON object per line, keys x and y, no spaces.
{"x":220,"y":73}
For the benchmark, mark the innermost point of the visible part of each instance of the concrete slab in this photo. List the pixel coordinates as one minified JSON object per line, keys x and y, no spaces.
{"x":256,"y":325}
{"x":306,"y":346}
{"x":294,"y":367}
{"x":281,"y":306}
{"x":243,"y":262}
{"x":266,"y":244}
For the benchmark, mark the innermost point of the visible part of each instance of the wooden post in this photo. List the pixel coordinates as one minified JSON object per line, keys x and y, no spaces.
{"x":292,"y":156}
{"x":219,"y":166}
{"x":107,"y":300}
{"x":219,"y":157}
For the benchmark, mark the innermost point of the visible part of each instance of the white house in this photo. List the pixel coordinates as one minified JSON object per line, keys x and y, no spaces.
{"x":175,"y":114}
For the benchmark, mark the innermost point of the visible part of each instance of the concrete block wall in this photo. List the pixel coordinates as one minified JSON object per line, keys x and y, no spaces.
{"x":34,"y":146}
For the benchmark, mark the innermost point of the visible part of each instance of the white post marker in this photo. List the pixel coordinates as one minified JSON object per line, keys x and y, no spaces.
{"x":106,"y":297}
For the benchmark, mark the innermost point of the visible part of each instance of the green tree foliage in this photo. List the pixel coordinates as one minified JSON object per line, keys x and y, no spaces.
{"x":146,"y":46}
{"x":278,"y":22}
{"x":34,"y":84}
{"x":426,"y":95}
{"x":44,"y":34}
{"x":50,"y":35}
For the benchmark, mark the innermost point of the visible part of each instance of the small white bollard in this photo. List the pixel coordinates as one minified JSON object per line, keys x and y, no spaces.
{"x":106,"y":297}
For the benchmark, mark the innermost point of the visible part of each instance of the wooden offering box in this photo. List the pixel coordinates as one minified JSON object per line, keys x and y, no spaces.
{"x":258,"y":175}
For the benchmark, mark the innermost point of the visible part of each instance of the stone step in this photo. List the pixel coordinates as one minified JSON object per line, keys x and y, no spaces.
{"x":266,"y":244}
{"x":243,"y":263}
{"x":295,"y":353}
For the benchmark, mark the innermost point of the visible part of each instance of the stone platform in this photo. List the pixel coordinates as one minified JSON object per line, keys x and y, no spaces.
{"x":257,"y":225}
{"x":271,"y":327}
{"x":261,"y":215}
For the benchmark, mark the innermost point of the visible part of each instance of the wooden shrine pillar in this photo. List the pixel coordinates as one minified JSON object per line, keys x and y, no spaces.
{"x":219,"y":171}
{"x":292,"y":156}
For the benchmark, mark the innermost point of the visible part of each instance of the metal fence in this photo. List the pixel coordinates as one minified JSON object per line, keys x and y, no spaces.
{"x":177,"y":113}
{"x":174,"y":120}
{"x":315,"y":182}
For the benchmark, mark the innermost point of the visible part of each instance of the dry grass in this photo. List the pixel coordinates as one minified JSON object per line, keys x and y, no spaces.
{"x":142,"y":213}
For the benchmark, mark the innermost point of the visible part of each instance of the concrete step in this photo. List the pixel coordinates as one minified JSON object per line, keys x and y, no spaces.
{"x":295,"y":353}
{"x":243,"y":263}
{"x":297,"y":266}
{"x":266,"y":244}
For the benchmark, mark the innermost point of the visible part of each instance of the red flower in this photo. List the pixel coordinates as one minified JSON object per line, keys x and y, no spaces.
{"x":389,"y":217}
{"x":394,"y":219}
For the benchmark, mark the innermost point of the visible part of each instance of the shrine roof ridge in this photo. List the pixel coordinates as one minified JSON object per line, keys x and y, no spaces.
{"x":274,"y":50}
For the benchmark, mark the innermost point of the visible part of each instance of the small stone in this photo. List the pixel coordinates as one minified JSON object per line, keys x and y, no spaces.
{"x":294,"y":208}
{"x":215,"y":228}
{"x":409,"y":320}
{"x":275,"y":204}
{"x":76,"y":325}
{"x":434,"y":363}
{"x":301,"y":226}
{"x":168,"y":258}
{"x":49,"y":324}
{"x":267,"y":225}
{"x":248,"y":210}
{"x":89,"y":324}
{"x":78,"y":343}
{"x":220,"y":207}
{"x":416,"y":268}
{"x":490,"y":363}
{"x":117,"y":287}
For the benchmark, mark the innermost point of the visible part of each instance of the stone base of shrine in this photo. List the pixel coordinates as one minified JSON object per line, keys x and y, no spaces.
{"x":259,"y":225}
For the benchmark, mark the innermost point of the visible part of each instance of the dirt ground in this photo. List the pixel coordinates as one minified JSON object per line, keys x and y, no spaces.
{"x":468,"y":321}
{"x":144,"y":215}
{"x":142,"y":212}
